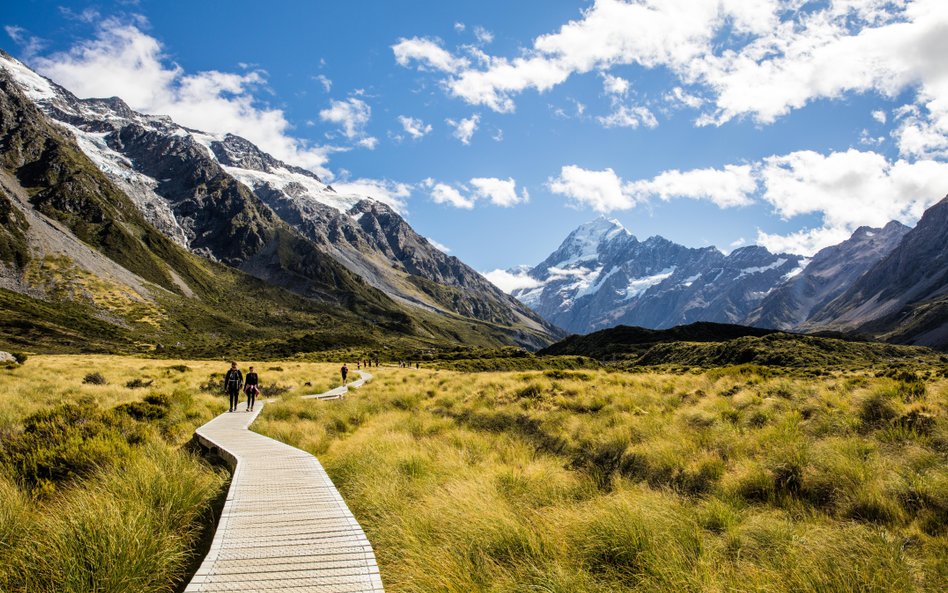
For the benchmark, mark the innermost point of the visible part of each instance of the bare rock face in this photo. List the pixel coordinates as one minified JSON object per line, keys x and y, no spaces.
{"x":904,"y":296}
{"x":827,"y":275}
{"x":221,"y":197}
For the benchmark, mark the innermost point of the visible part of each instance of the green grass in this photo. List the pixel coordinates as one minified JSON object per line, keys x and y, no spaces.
{"x":588,"y":480}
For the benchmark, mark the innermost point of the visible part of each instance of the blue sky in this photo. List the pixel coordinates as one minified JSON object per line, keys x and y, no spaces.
{"x":498,"y":127}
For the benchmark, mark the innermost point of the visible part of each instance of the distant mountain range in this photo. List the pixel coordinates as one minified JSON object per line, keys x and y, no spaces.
{"x":890,"y":283}
{"x":156,"y":209}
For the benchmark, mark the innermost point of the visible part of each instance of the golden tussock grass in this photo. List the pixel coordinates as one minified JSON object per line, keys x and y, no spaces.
{"x":599,"y":481}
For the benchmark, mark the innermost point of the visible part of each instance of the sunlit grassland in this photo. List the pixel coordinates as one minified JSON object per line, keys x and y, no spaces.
{"x":572,"y":481}
{"x":98,"y":489}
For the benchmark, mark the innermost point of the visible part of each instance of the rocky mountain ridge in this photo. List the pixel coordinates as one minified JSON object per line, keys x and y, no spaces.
{"x":223,"y":198}
{"x":889,"y":282}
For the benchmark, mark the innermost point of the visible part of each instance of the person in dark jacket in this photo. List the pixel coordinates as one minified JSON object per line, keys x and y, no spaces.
{"x":233,"y":381}
{"x":344,"y":371}
{"x":251,"y":388}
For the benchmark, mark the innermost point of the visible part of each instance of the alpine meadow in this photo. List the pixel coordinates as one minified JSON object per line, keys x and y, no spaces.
{"x":570,"y":296}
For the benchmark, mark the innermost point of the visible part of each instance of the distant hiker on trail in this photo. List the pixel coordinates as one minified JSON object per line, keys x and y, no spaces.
{"x":345,"y":373}
{"x":233,"y":380}
{"x":358,"y":364}
{"x":251,"y":388}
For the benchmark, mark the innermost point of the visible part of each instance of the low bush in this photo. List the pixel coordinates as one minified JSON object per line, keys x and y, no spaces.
{"x":94,"y":379}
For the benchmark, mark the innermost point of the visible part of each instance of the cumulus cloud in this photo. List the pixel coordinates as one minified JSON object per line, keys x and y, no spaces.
{"x":123,"y":61}
{"x":500,"y":192}
{"x":605,"y":191}
{"x":614,"y":85}
{"x":845,"y":189}
{"x":600,"y":190}
{"x":746,"y":59}
{"x":625,"y":116}
{"x":325,"y":81}
{"x":483,"y":35}
{"x":509,"y":282}
{"x":731,"y":186}
{"x":414,"y":127}
{"x":465,"y":128}
{"x":442,"y":193}
{"x":427,"y":54}
{"x":848,"y":189}
{"x":352,"y":115}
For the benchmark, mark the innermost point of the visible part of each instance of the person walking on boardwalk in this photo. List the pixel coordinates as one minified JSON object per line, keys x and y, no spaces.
{"x":251,"y":388}
{"x":233,"y":380}
{"x":344,"y":371}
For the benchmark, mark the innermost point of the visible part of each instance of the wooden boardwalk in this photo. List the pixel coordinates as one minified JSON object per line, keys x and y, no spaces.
{"x":284,"y":526}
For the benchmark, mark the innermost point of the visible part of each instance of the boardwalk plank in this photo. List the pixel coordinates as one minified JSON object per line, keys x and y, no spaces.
{"x":284,"y":527}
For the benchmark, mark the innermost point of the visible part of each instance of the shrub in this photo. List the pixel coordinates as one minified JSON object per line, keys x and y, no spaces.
{"x":138,"y":383}
{"x":72,"y":440}
{"x":19,"y":357}
{"x":876,"y":410}
{"x":273,"y":390}
{"x":181,"y":368}
{"x":153,"y":407}
{"x":94,"y":379}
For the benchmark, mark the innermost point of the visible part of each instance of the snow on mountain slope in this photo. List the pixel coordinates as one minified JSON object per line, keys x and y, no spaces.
{"x":223,"y":198}
{"x":601,"y":276}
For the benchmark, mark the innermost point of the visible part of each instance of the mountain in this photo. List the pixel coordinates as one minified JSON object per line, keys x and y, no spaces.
{"x":827,"y":275}
{"x":602,"y":276}
{"x":904,"y":296}
{"x":223,"y":199}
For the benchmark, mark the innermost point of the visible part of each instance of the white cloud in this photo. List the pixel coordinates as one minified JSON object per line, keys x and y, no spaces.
{"x":740,"y":59}
{"x":123,"y":61}
{"x":324,"y":80}
{"x":879,"y":116}
{"x":625,"y":116}
{"x":414,"y":126}
{"x":732,"y":186}
{"x":369,"y":142}
{"x":459,"y":27}
{"x":392,"y":193}
{"x":600,"y":190}
{"x":845,"y":189}
{"x":679,"y":97}
{"x":352,"y":115}
{"x":614,"y":85}
{"x":427,"y":53}
{"x":483,"y":35}
{"x":439,"y":246}
{"x":464,"y":129}
{"x":500,"y":192}
{"x":30,"y":45}
{"x":509,"y":282}
{"x":442,"y":193}
{"x":848,"y":189}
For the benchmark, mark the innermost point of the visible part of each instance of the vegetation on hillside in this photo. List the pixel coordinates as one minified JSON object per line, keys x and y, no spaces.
{"x":730,"y":479}
{"x":714,"y":344}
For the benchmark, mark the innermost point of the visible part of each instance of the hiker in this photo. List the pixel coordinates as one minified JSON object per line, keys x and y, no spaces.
{"x":345,"y":372}
{"x":233,"y":380}
{"x":358,"y":364}
{"x":251,"y":388}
